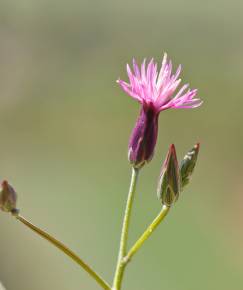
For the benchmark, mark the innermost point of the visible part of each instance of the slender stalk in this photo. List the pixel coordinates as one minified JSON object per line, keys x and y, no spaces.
{"x":124,"y":234}
{"x":148,"y":232}
{"x":65,"y":250}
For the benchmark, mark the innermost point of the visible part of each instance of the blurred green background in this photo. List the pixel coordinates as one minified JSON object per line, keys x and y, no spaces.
{"x":65,"y":125}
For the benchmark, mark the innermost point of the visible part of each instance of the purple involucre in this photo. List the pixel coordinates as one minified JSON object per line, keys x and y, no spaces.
{"x":144,"y":136}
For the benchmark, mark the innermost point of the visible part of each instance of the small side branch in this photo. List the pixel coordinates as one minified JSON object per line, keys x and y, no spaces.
{"x":65,"y":250}
{"x":148,"y":232}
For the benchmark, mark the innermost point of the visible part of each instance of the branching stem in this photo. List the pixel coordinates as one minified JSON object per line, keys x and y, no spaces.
{"x":148,"y":232}
{"x":65,"y":250}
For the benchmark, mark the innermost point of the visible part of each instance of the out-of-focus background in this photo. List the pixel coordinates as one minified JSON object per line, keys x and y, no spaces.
{"x":65,"y":124}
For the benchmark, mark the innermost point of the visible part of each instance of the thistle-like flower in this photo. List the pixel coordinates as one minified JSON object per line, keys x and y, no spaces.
{"x":155,"y":91}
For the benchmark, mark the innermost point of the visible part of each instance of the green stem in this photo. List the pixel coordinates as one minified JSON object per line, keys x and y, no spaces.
{"x":65,"y":250}
{"x":124,"y":234}
{"x":148,"y":232}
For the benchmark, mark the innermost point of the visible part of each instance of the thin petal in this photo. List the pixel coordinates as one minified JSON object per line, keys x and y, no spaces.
{"x":143,"y":70}
{"x":136,"y":69}
{"x":164,"y":62}
{"x":130,"y":74}
{"x":126,"y":88}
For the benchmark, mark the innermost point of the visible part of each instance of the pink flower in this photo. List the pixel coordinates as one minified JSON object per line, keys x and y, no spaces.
{"x":156,"y":91}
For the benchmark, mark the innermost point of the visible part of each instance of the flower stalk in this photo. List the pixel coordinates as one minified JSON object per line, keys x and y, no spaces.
{"x":124,"y":234}
{"x":65,"y":250}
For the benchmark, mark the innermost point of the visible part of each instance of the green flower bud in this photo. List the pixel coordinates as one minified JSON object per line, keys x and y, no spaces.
{"x":8,"y":198}
{"x":169,"y":182}
{"x":188,"y":164}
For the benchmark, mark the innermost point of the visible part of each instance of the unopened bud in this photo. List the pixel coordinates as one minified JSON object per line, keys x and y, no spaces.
{"x":188,"y":164}
{"x":169,"y":181}
{"x":8,"y":198}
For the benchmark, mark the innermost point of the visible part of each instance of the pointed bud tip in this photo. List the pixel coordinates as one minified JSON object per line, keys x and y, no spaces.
{"x":172,"y":148}
{"x":172,"y":151}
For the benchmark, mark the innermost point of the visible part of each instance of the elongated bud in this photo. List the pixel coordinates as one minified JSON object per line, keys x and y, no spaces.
{"x":8,"y":197}
{"x":143,"y":138}
{"x":188,"y":164}
{"x":169,"y":181}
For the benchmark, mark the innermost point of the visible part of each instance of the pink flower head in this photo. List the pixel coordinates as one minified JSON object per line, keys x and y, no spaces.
{"x":158,"y":89}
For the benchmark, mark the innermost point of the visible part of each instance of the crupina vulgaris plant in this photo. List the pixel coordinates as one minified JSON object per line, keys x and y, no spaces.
{"x":155,"y":91}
